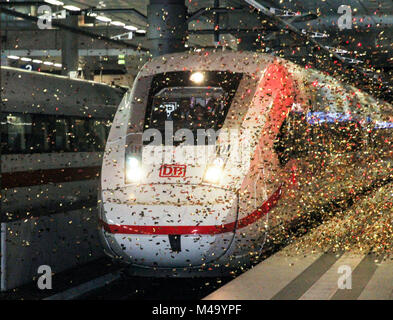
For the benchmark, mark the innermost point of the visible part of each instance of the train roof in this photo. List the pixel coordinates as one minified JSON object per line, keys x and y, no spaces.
{"x":36,"y":92}
{"x":236,"y":61}
{"x":244,"y":62}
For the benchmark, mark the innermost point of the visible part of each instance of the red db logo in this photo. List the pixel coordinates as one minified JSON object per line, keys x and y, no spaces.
{"x":172,"y":170}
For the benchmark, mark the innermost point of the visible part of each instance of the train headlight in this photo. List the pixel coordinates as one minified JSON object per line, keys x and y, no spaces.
{"x":134,"y":170}
{"x":214,"y":171}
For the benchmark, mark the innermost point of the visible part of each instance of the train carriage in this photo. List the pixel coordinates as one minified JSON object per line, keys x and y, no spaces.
{"x":53,"y":134}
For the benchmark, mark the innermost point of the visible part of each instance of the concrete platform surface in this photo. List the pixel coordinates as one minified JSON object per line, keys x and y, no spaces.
{"x":322,"y":276}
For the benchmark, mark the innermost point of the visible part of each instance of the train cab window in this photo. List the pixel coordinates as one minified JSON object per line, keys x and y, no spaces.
{"x":176,"y":100}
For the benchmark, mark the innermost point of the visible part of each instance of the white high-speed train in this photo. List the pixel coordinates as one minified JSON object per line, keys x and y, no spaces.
{"x":53,"y":134}
{"x":204,"y":146}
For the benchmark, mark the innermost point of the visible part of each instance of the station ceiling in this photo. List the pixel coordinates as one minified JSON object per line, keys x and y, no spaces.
{"x":365,"y":46}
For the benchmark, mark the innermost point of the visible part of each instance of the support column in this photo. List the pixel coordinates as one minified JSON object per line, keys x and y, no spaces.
{"x":69,"y":47}
{"x":168,"y":28}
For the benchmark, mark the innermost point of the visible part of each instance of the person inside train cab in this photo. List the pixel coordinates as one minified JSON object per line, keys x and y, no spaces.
{"x":180,"y":115}
{"x":199,"y":115}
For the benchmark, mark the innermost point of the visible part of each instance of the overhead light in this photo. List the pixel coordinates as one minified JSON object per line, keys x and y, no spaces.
{"x":25,"y":59}
{"x":48,"y":63}
{"x":58,"y":65}
{"x":118,"y":23}
{"x":13,"y":57}
{"x":197,"y":77}
{"x":37,"y":61}
{"x":141,"y":31}
{"x":72,"y":8}
{"x":54,"y":2}
{"x":132,"y":28}
{"x":103,"y":19}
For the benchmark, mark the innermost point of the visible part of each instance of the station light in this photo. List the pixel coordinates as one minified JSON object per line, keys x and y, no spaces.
{"x":140,"y":31}
{"x":214,"y":171}
{"x":121,"y":59}
{"x":118,"y":23}
{"x":197,"y":77}
{"x":38,"y":61}
{"x":72,"y":8}
{"x":103,"y":19}
{"x":54,"y":2}
{"x":131,"y":28}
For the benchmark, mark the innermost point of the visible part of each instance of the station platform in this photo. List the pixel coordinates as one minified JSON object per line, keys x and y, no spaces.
{"x":315,"y":276}
{"x":354,"y":243}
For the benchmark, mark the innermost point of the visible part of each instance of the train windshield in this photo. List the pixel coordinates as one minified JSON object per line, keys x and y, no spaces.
{"x":177,"y":102}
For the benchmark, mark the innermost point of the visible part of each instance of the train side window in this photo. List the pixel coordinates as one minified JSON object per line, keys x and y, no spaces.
{"x":82,"y":133}
{"x":3,"y":132}
{"x":62,"y":135}
{"x":99,"y":134}
{"x":41,"y":134}
{"x":79,"y":134}
{"x":15,"y":133}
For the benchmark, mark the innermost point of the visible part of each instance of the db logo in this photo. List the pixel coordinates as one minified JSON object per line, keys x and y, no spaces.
{"x":172,"y":170}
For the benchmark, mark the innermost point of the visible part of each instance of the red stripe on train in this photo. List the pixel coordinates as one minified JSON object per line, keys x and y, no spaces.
{"x":39,"y":177}
{"x":182,"y":230}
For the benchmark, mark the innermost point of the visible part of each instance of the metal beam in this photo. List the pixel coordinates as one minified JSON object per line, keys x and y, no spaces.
{"x":215,"y":9}
{"x":359,"y":71}
{"x":287,"y":25}
{"x":118,"y":10}
{"x":233,"y":31}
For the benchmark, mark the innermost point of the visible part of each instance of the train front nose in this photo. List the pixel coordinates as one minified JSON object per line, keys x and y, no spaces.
{"x":188,"y":227}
